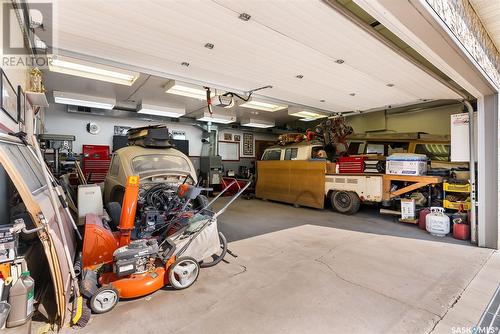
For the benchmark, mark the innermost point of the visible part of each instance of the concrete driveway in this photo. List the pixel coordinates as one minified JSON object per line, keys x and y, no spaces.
{"x":304,"y":278}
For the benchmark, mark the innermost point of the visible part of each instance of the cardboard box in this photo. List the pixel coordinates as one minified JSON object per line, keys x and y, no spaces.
{"x":330,"y":167}
{"x":402,"y":167}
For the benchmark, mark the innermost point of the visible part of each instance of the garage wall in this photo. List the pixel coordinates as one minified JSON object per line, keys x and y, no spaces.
{"x":59,"y":121}
{"x":433,"y":121}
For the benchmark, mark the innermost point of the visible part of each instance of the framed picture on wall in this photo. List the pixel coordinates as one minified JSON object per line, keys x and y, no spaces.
{"x":8,"y":100}
{"x":21,"y":105}
{"x":237,"y":138}
{"x":228,"y":137}
{"x":248,"y":144}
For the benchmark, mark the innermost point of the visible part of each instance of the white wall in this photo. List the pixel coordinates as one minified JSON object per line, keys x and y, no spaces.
{"x":434,"y":121}
{"x":59,"y":121}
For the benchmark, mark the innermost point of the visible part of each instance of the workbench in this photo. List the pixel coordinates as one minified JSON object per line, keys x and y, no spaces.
{"x":417,"y":181}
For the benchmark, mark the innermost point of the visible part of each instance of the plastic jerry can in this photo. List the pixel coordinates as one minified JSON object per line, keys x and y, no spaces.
{"x":21,"y":298}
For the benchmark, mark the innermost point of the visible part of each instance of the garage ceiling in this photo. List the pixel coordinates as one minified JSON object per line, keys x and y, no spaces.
{"x":489,"y":13}
{"x":280,"y":41}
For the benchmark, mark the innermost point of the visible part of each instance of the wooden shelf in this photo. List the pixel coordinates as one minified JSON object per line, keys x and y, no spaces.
{"x":417,"y":181}
{"x":37,"y":99}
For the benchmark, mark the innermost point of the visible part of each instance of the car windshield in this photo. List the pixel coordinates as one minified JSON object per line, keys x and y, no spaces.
{"x":159,"y":162}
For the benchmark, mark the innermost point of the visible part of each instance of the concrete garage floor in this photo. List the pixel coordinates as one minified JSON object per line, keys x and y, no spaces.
{"x":311,"y":271}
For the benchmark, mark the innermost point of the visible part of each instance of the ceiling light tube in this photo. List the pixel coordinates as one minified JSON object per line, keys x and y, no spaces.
{"x":257,"y":123}
{"x":162,"y":111}
{"x":81,"y":68}
{"x":305,"y":115}
{"x":84,"y":100}
{"x":216,"y":117}
{"x":186,"y":89}
{"x":262,"y":105}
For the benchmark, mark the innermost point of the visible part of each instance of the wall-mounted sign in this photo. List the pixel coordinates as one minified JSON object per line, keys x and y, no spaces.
{"x":248,"y":145}
{"x":178,"y":134}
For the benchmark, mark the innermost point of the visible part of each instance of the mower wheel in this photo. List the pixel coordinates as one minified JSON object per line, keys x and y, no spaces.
{"x":183,"y":273}
{"x":104,"y":299}
{"x":346,"y":202}
{"x":216,"y":258}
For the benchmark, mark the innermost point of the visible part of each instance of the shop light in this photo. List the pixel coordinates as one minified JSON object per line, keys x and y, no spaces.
{"x":305,"y":115}
{"x":257,"y":123}
{"x":216,"y":117}
{"x":187,"y":89}
{"x":81,"y":68}
{"x":84,"y":100}
{"x":262,"y":105}
{"x":162,"y":111}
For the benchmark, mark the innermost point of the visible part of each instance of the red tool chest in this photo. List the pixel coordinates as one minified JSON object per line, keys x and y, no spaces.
{"x":96,"y":162}
{"x":351,"y":164}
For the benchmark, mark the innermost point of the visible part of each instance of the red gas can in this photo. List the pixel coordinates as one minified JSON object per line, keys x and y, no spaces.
{"x":421,"y":218}
{"x":461,"y":231}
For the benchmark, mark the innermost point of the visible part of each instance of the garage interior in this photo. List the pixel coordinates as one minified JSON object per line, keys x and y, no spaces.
{"x":357,"y":175}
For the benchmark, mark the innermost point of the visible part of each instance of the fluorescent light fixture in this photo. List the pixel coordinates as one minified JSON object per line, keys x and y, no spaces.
{"x":162,"y":111}
{"x":262,"y":105}
{"x":305,"y":115}
{"x":257,"y":123}
{"x":81,"y":68}
{"x":223,"y":118}
{"x":84,"y":100}
{"x":187,"y":89}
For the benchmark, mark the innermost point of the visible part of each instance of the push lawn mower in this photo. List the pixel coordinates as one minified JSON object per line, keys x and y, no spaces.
{"x":116,"y":267}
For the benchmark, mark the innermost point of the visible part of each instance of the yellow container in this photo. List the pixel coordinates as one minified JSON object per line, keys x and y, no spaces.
{"x":456,"y":205}
{"x":455,"y":187}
